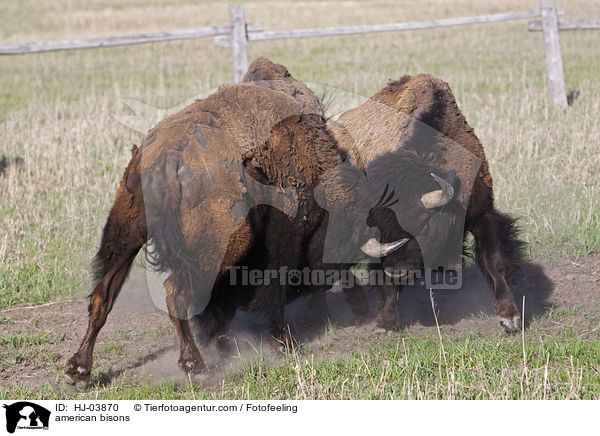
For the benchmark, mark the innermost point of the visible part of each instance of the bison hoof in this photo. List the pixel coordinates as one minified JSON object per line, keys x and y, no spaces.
{"x":224,"y":345}
{"x":511,"y":325}
{"x":388,"y":324}
{"x":381,"y":331}
{"x":77,"y":375}
{"x":193,"y":366}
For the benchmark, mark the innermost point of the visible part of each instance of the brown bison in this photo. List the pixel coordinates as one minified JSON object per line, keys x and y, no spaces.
{"x":416,"y":118}
{"x":251,"y":177}
{"x":216,"y":185}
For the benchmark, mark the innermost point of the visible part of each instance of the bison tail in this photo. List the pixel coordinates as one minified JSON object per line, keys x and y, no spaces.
{"x":512,"y":247}
{"x":499,"y":233}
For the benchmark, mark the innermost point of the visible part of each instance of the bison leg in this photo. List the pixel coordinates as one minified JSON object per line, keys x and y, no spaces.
{"x":276,"y":318}
{"x":317,"y":305}
{"x":498,"y":250}
{"x":357,"y":299}
{"x":284,"y":246}
{"x":178,"y":301}
{"x":101,"y":302}
{"x":122,"y":238}
{"x":211,"y":326}
{"x":387,"y":314}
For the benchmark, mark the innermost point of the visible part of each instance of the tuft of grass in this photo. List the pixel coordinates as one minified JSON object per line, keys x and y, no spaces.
{"x":112,"y":350}
{"x":25,"y":340}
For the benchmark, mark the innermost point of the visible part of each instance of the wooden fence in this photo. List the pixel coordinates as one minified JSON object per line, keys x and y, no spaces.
{"x":238,"y":34}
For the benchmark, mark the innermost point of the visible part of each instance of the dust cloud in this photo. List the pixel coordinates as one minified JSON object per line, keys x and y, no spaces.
{"x":249,"y":341}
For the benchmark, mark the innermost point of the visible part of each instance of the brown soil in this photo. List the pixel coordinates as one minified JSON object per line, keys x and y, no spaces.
{"x":139,"y":343}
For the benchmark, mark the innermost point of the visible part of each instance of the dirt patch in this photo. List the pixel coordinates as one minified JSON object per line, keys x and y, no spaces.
{"x":138,"y":342}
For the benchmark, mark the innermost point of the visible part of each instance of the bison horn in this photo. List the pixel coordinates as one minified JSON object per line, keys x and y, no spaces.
{"x":374,"y":248}
{"x":438,"y":198}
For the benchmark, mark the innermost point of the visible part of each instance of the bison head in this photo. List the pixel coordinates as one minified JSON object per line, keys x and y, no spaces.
{"x":399,"y":211}
{"x":419,"y":222}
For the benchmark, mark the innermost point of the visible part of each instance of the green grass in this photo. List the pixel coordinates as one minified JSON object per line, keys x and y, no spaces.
{"x":472,"y":366}
{"x":25,"y":340}
{"x":29,"y":349}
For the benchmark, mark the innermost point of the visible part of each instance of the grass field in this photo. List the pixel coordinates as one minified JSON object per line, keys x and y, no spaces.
{"x":62,"y":153}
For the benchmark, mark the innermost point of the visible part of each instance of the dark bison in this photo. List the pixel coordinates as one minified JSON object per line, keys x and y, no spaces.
{"x":417,"y":119}
{"x":227,"y":181}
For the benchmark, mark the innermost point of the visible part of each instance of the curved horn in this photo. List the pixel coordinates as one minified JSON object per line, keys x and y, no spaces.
{"x":438,"y":198}
{"x":374,"y":248}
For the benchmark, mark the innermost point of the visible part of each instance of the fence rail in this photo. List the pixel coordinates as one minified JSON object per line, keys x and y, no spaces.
{"x":578,"y":24}
{"x":238,"y":34}
{"x":378,"y":28}
{"x":70,"y":44}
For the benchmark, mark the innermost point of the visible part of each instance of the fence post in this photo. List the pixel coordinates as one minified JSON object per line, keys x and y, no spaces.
{"x":556,"y":79}
{"x":239,"y":41}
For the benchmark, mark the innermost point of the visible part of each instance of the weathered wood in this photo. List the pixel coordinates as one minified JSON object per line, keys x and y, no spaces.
{"x":225,"y":40}
{"x":239,"y":41}
{"x":200,"y":32}
{"x":392,"y":27}
{"x":556,"y":80}
{"x":577,"y":24}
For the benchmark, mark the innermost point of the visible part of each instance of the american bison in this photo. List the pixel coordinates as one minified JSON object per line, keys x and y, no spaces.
{"x":226,"y":181}
{"x":416,"y":118}
{"x":252,"y":177}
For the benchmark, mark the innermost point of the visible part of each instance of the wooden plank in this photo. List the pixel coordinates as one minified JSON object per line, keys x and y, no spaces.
{"x":225,"y":40}
{"x":556,"y":80}
{"x":577,"y":24}
{"x":199,"y":32}
{"x":239,"y":41}
{"x":392,"y":27}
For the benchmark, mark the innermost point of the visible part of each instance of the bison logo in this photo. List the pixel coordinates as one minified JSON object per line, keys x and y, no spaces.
{"x":26,"y":415}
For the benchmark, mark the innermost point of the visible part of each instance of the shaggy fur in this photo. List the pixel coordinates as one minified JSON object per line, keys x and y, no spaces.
{"x":263,"y":72}
{"x":398,"y":115}
{"x":418,"y":114}
{"x":180,"y":188}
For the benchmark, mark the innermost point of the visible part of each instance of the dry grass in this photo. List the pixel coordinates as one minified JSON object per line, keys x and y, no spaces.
{"x":64,"y":151}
